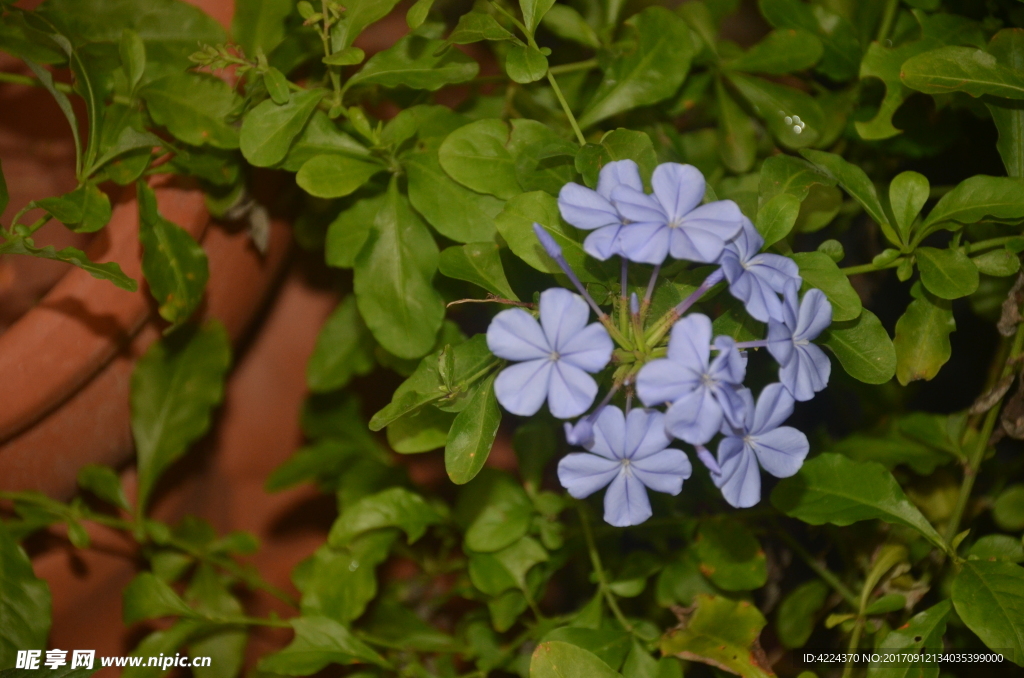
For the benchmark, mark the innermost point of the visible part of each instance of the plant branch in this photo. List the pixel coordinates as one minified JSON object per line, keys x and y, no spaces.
{"x":602,"y":580}
{"x":565,"y":107}
{"x":826,"y":574}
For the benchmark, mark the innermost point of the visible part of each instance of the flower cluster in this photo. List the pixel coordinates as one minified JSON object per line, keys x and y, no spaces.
{"x":673,"y":360}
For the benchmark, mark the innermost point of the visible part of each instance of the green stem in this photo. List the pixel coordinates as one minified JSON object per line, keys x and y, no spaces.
{"x":981,"y":444}
{"x":989,"y":244}
{"x":969,"y":249}
{"x":565,"y":107}
{"x":575,"y":66}
{"x":602,"y":580}
{"x":854,"y":642}
{"x":826,"y":575}
{"x":887,"y":20}
{"x":16,"y":79}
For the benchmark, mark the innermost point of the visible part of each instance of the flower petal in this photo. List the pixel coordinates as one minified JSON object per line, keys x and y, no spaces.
{"x":590,"y":349}
{"x":515,"y":335}
{"x":521,"y":388}
{"x":663,"y":380}
{"x":729,"y":366}
{"x":806,"y":373}
{"x":775,"y":270}
{"x":583,"y":474}
{"x":679,"y":188}
{"x":740,"y":480}
{"x":562,"y":315}
{"x":695,"y":418}
{"x":637,"y":206}
{"x":814,"y":316}
{"x":690,"y":342}
{"x":645,"y":242}
{"x":645,"y":433}
{"x":618,"y":173}
{"x":781,"y":451}
{"x":747,"y":242}
{"x":609,"y":433}
{"x":774,"y":406}
{"x":663,"y":471}
{"x":571,"y":391}
{"x":603,"y":243}
{"x":780,"y":342}
{"x":626,"y":502}
{"x":585,"y":208}
{"x":723,"y":218}
{"x":694,"y":244}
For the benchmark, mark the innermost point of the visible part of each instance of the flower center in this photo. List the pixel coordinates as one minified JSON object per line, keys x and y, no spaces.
{"x":626,"y":468}
{"x":801,"y":342}
{"x":554,"y":356}
{"x":707,"y":380}
{"x":675,"y":223}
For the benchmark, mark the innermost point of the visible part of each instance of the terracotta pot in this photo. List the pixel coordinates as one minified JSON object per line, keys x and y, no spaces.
{"x":67,"y":360}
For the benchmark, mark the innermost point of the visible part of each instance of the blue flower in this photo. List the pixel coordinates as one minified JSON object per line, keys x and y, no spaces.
{"x":804,"y":368}
{"x":628,"y":454}
{"x":594,"y":211}
{"x":757,"y":279}
{"x":553,"y":356}
{"x":670,"y":221}
{"x":779,"y":450}
{"x":703,"y":392}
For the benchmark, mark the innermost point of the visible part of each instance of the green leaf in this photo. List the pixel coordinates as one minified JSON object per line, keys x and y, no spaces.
{"x":525,"y":64}
{"x":650,"y":73}
{"x":392,"y":281}
{"x":146,"y":597}
{"x":424,"y":430}
{"x":885,"y":64}
{"x":997,"y":547}
{"x":335,"y":176}
{"x":1007,"y":46}
{"x":133,"y":57}
{"x":493,"y":573}
{"x":856,"y":183}
{"x":175,"y":387}
{"x":472,"y":434}
{"x":84,"y":210}
{"x":477,"y":26}
{"x":610,"y":646}
{"x":786,"y":174}
{"x":394,"y":507}
{"x":978,"y":197}
{"x":794,"y":622}
{"x":948,"y":274}
{"x":167,"y":641}
{"x":736,"y":142}
{"x":794,"y":117}
{"x":961,"y":69}
{"x":344,"y":349}
{"x":567,"y":23}
{"x":349,"y":56}
{"x":349,"y":230}
{"x":411,"y":62}
{"x":417,"y":14}
{"x":453,"y":210}
{"x":24,"y":602}
{"x":503,"y":515}
{"x":318,"y":641}
{"x":515,"y":224}
{"x":730,"y":555}
{"x":832,"y":488}
{"x":619,"y":144}
{"x":322,"y":137}
{"x":922,"y":337}
{"x":260,"y":24}
{"x":924,"y":632}
{"x":1000,"y":263}
{"x":174,"y":264}
{"x":225,"y":646}
{"x":723,"y":633}
{"x":342,"y":581}
{"x":558,"y":659}
{"x":989,"y":598}
{"x":358,"y":15}
{"x":908,"y":193}
{"x":818,"y":270}
{"x":533,"y":12}
{"x":63,"y":103}
{"x":476,"y":156}
{"x":863,"y":348}
{"x":478,"y":263}
{"x":1008,"y":508}
{"x":128,"y":139}
{"x":841,"y":50}
{"x":776,"y":218}
{"x":268,"y":130}
{"x":108,"y":271}
{"x":194,"y":108}
{"x":779,"y":53}
{"x":104,"y":483}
